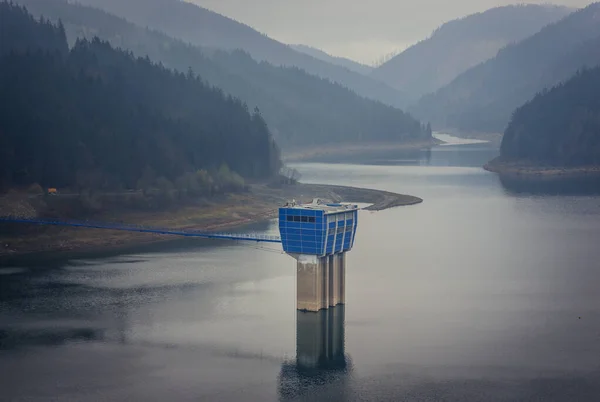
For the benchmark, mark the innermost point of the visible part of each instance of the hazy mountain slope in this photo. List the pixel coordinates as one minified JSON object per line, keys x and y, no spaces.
{"x":461,"y":44}
{"x":340,"y":61}
{"x":301,"y":110}
{"x":560,"y":127}
{"x":585,"y":55}
{"x":483,"y":98}
{"x":342,"y":115}
{"x":205,"y":28}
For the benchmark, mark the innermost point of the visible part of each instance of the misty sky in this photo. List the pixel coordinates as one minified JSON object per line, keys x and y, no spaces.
{"x":363,"y":30}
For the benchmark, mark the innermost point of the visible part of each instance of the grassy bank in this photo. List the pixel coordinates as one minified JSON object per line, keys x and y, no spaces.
{"x":234,"y":210}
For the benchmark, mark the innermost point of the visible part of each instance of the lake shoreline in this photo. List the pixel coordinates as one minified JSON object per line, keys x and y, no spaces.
{"x":531,"y":171}
{"x":492,"y":138}
{"x":302,"y":155}
{"x":232,"y":212}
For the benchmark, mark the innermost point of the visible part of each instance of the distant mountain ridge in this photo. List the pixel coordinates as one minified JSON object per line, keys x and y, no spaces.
{"x":340,"y":61}
{"x":206,"y":28}
{"x":461,"y":44}
{"x":301,"y":110}
{"x":484,"y":97}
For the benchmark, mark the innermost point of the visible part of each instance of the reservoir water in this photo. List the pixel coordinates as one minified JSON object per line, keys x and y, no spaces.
{"x":480,"y":293}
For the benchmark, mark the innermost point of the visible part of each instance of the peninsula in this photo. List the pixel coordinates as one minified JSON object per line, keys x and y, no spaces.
{"x":259,"y":203}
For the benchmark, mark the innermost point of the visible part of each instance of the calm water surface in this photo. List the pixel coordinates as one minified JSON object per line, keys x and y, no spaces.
{"x":481,"y":293}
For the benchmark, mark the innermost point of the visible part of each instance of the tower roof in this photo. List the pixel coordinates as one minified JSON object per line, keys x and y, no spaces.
{"x":321,"y":205}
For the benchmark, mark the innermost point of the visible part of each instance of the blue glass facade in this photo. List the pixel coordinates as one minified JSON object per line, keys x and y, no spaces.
{"x":317,"y":231}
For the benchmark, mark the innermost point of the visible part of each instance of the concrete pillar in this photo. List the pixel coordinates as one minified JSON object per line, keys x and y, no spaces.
{"x":325,"y":283}
{"x":320,"y":359}
{"x":311,"y":339}
{"x":321,"y":282}
{"x":320,"y":339}
{"x":337,"y":336}
{"x":341,"y":277}
{"x":312,"y":283}
{"x":334,"y":280}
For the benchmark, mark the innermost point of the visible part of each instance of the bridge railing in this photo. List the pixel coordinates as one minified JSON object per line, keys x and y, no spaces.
{"x":242,"y":236}
{"x":148,"y":229}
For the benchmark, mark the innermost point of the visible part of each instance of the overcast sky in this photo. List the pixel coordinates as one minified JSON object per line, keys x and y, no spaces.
{"x":362,"y":30}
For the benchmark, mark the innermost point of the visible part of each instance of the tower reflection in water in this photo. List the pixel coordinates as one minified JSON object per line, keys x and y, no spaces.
{"x":320,"y":356}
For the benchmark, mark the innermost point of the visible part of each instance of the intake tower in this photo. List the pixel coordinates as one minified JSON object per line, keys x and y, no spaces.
{"x":318,"y":235}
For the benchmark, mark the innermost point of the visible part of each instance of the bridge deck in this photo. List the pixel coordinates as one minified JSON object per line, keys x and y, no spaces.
{"x":146,"y":229}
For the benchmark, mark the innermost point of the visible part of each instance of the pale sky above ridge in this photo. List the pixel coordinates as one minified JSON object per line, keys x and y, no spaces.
{"x":360,"y":30}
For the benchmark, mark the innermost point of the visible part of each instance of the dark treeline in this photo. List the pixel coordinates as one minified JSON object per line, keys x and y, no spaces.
{"x":19,"y":33}
{"x":301,"y":110}
{"x":96,"y":117}
{"x":560,"y":127}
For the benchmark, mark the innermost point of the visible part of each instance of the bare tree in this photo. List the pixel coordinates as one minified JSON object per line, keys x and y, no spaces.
{"x":290,"y":175}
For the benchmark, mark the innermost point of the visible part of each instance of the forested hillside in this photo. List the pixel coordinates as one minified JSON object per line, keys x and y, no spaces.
{"x":461,"y":44}
{"x":560,"y":127}
{"x":301,"y":110}
{"x":340,"y":61}
{"x":95,"y":117}
{"x":483,"y":98}
{"x":22,"y":35}
{"x":202,"y":27}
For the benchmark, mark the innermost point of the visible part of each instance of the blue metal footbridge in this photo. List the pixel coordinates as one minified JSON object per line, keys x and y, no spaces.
{"x":317,"y":229}
{"x":251,"y":237}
